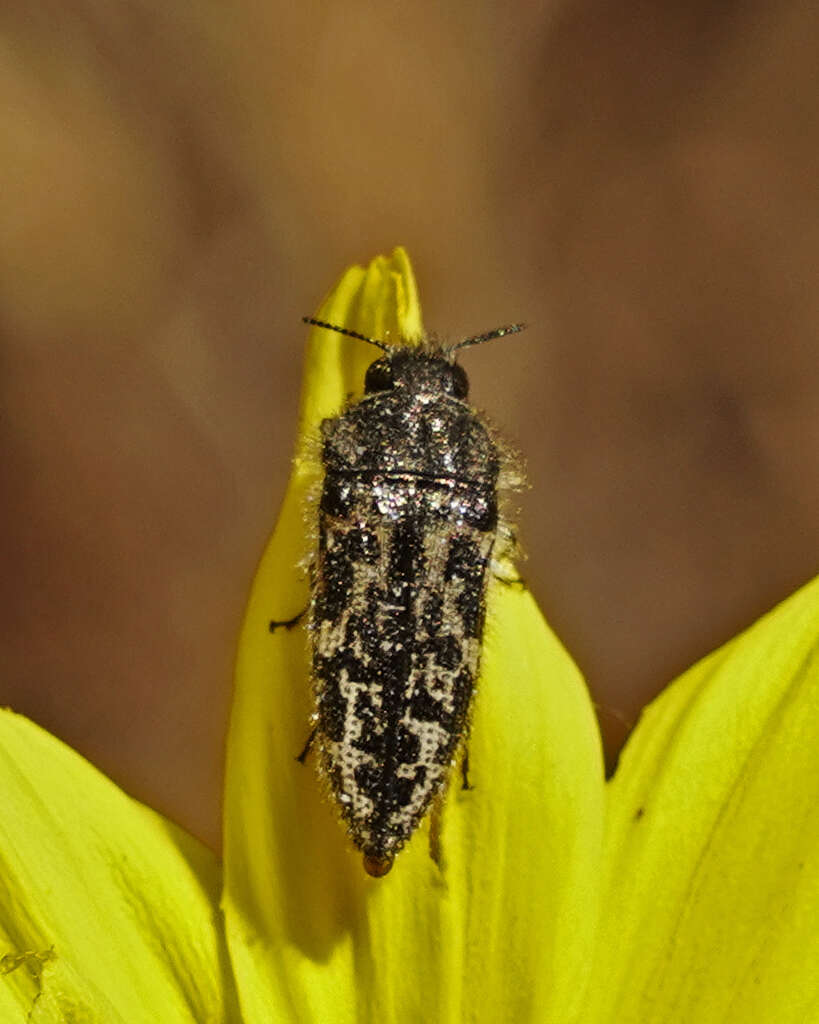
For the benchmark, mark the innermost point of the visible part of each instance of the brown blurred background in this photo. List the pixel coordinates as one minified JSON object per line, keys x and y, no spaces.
{"x":179,"y":183}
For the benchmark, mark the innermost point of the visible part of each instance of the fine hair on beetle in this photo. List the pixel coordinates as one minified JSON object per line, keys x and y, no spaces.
{"x":408,"y":533}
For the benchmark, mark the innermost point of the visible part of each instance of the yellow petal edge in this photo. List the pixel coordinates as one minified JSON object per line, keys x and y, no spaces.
{"x":712,"y":883}
{"x":504,"y":932}
{"x":108,"y":912}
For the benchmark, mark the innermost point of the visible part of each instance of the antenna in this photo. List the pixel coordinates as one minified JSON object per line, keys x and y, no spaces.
{"x":479,"y":339}
{"x":350,"y":334}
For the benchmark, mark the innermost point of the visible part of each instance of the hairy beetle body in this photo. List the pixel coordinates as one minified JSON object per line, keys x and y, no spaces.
{"x":408,"y":523}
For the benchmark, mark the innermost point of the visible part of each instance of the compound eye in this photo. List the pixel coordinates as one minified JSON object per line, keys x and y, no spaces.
{"x":378,"y":377}
{"x":460,"y":382}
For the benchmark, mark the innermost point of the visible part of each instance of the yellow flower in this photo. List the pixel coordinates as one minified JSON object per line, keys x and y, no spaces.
{"x":108,"y":913}
{"x":311,"y":935}
{"x":687,"y":890}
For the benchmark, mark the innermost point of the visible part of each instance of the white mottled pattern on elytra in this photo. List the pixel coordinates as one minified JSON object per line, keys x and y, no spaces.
{"x":431,"y":737}
{"x":440,"y":684}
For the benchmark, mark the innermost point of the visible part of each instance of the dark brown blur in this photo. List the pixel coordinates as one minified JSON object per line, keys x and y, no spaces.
{"x":180,"y":183}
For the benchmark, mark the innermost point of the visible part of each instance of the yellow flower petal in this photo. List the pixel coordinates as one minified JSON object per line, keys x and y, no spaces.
{"x":108,"y":912}
{"x":713,"y":840}
{"x":505,"y":932}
